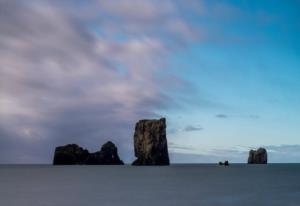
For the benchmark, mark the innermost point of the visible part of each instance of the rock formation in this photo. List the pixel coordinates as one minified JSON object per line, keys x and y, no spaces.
{"x":72,"y":154}
{"x":108,"y":155}
{"x":150,"y":143}
{"x":259,"y":156}
{"x":226,"y":163}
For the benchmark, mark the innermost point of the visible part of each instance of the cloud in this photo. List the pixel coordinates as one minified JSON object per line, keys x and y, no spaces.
{"x":176,"y":147}
{"x":188,"y":128}
{"x":225,"y":116}
{"x":143,"y":10}
{"x":284,"y":148}
{"x":191,"y":128}
{"x":82,"y":73}
{"x":221,"y":116}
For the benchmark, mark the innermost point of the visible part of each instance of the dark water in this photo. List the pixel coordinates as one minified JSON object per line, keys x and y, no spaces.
{"x":201,"y":185}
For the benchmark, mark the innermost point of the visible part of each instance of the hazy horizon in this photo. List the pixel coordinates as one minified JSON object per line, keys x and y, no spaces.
{"x":225,"y":74}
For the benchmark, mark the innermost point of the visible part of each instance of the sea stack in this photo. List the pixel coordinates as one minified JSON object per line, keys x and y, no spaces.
{"x":73,"y":154}
{"x":108,"y":155}
{"x":259,"y":156}
{"x":70,"y":154}
{"x":150,"y":143}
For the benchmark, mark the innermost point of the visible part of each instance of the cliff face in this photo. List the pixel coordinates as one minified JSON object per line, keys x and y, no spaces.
{"x":72,"y":154}
{"x":259,"y":156}
{"x":150,"y":143}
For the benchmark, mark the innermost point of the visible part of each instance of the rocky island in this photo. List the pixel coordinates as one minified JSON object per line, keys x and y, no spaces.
{"x":73,"y":154}
{"x":258,"y":156}
{"x":225,"y":163}
{"x":150,"y":143}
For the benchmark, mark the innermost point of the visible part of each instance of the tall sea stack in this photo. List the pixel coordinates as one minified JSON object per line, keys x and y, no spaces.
{"x":259,"y":156}
{"x":150,"y":143}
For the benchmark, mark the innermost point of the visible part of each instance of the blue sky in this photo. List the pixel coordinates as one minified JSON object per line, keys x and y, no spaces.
{"x":224,"y":73}
{"x":245,"y":76}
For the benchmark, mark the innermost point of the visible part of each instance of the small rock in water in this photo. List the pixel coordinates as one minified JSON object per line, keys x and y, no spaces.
{"x":226,"y":163}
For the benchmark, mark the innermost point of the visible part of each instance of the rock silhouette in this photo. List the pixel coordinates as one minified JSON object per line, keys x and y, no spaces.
{"x":259,"y":156}
{"x":226,"y":163}
{"x":108,"y":155}
{"x":72,"y":154}
{"x":150,"y":143}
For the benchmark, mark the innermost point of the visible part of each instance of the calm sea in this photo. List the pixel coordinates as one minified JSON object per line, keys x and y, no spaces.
{"x":200,"y":184}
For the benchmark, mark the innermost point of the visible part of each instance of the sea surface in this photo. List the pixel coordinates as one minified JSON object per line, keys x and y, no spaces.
{"x":199,"y":184}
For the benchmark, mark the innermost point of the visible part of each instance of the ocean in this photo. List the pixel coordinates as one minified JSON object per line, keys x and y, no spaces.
{"x":184,"y":185}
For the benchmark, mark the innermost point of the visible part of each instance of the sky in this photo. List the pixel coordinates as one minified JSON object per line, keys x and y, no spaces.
{"x":225,"y":74}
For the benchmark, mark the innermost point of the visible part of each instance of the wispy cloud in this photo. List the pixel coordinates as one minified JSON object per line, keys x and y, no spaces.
{"x":176,"y":147}
{"x":188,"y":128}
{"x":283,"y":153}
{"x":225,"y":116}
{"x":191,"y":128}
{"x":222,"y":116}
{"x":293,"y":149}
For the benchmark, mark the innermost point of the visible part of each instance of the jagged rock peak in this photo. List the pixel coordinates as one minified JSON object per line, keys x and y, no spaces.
{"x":109,"y":154}
{"x":150,"y":142}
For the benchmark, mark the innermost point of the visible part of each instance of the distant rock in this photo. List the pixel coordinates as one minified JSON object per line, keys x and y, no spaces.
{"x":72,"y":154}
{"x":150,"y":143}
{"x":259,"y":156}
{"x":226,"y":163}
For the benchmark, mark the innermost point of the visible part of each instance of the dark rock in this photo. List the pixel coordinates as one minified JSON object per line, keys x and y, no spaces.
{"x":226,"y":163}
{"x":150,"y":143}
{"x":108,"y":155}
{"x":72,"y":154}
{"x":259,"y":156}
